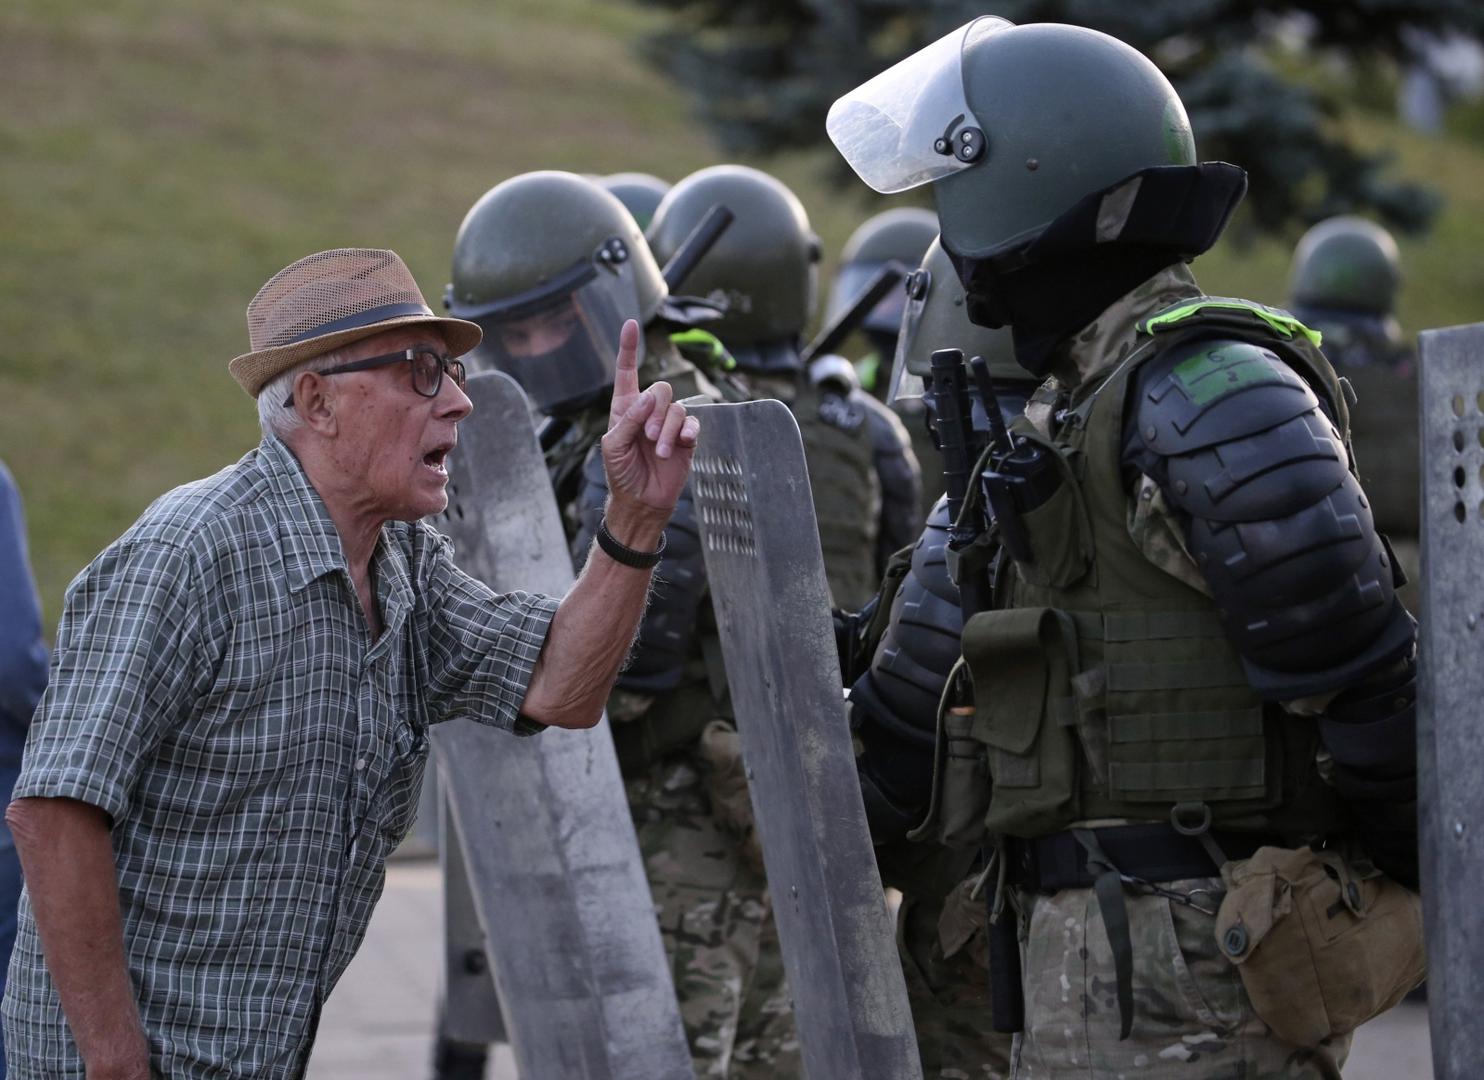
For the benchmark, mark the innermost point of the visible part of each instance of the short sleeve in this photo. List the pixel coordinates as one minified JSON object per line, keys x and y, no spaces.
{"x":122,"y":674}
{"x":480,"y":647}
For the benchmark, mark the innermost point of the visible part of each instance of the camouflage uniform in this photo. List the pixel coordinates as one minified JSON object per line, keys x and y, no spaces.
{"x":682,"y":768}
{"x":716,"y":920}
{"x":1193,"y":1016}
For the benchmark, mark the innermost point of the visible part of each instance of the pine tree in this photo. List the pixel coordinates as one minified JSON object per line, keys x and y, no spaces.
{"x":764,"y":72}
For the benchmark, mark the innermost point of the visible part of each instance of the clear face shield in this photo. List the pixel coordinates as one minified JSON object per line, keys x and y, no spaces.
{"x":911,"y":366}
{"x":559,"y":340}
{"x":912,"y":124}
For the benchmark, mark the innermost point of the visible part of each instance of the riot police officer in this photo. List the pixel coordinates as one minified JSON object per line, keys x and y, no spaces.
{"x":1194,"y":679}
{"x":764,"y":268}
{"x":1344,"y":281}
{"x":550,"y":266}
{"x":900,"y":235}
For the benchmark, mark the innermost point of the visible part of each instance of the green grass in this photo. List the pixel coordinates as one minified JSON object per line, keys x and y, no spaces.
{"x":159,"y":159}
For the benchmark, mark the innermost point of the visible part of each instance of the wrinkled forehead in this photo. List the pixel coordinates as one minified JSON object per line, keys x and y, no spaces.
{"x":403,"y":337}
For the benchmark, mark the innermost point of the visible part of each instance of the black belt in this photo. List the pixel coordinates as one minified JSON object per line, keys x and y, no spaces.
{"x":1105,"y":859}
{"x":1152,"y":852}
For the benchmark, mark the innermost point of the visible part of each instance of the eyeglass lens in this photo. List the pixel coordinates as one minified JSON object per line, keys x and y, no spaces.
{"x":427,"y":373}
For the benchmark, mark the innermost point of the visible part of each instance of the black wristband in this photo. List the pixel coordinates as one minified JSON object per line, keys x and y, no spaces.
{"x":620,"y":553}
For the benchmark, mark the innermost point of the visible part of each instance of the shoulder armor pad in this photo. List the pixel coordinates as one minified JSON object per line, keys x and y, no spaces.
{"x":1215,"y":389}
{"x":1232,"y":434}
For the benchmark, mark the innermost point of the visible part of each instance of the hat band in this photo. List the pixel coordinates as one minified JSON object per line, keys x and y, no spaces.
{"x":360,"y":319}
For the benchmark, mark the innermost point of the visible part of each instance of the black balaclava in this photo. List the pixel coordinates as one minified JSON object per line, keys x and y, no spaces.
{"x":1048,"y":288}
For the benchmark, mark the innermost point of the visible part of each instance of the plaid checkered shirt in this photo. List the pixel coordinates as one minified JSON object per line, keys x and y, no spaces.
{"x":215,"y":689}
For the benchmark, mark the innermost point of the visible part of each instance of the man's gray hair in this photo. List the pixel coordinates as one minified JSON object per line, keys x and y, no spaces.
{"x":276,"y":418}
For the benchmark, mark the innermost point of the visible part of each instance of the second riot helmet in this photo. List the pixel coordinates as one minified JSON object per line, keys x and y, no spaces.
{"x":764,"y":267}
{"x":550,"y":265}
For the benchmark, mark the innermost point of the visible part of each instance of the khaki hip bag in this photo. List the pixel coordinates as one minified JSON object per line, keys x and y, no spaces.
{"x":1321,"y":944}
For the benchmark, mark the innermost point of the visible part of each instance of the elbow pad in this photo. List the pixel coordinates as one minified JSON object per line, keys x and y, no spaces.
{"x":894,"y":705}
{"x":1277,"y":523}
{"x":658,"y":659}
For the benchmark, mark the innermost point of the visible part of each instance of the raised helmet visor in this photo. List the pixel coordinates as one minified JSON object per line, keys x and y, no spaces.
{"x":912,"y":124}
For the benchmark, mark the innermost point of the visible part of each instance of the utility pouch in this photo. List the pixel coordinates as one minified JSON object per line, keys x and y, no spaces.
{"x":1059,"y":531}
{"x":1022,"y":662}
{"x":955,"y":816}
{"x":1322,"y":945}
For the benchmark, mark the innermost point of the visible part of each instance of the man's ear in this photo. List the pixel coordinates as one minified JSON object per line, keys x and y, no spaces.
{"x":314,"y":401}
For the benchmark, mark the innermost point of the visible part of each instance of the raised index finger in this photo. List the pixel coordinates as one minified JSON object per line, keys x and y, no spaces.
{"x":626,"y":376}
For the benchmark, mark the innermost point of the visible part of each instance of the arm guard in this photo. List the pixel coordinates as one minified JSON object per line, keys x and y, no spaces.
{"x":669,"y":627}
{"x":1274,"y":518}
{"x":894,"y":705}
{"x":900,"y":476}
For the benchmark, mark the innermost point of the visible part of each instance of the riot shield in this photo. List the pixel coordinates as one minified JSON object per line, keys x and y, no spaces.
{"x":772,"y":606}
{"x":1450,"y":748}
{"x":544,"y":831}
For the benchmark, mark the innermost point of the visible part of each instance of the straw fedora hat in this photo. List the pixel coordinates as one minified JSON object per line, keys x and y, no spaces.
{"x":333,"y":298}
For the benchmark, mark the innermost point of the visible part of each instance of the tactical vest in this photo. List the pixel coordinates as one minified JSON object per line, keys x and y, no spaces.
{"x":846,"y":490}
{"x":1106,"y":688}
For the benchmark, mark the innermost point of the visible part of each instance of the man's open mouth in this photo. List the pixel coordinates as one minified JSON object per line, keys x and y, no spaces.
{"x":437,"y":459}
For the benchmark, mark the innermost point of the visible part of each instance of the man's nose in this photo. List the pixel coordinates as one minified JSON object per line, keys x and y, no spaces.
{"x":452,"y":403}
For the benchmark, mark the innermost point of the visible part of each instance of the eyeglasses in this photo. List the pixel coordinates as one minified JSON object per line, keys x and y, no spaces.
{"x":427,"y":370}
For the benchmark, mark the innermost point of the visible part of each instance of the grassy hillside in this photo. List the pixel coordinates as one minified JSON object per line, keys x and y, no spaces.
{"x":160,"y":158}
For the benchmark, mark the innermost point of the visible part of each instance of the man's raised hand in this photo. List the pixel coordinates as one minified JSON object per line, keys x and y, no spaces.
{"x":650,"y":441}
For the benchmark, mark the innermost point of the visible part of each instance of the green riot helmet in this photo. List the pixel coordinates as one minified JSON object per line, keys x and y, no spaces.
{"x":764,"y":267}
{"x":1013,"y":126}
{"x":639,"y":192}
{"x":936,"y":317}
{"x":1346,"y":264}
{"x":900,"y":235}
{"x":550,"y":265}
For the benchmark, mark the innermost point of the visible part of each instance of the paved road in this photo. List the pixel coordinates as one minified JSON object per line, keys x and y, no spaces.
{"x":378,"y":1022}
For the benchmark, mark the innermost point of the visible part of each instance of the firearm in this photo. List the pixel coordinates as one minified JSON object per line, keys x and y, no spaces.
{"x":1020,"y":475}
{"x":956,"y":436}
{"x":882,"y":282}
{"x":959,"y":443}
{"x":701,"y":240}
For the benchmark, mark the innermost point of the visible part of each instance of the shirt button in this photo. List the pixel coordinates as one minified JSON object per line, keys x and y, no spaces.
{"x":360,"y":764}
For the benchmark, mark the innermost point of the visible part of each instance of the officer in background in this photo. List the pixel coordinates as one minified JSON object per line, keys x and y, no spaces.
{"x":941,"y":921}
{"x":899,"y":235}
{"x":764,"y":269}
{"x":550,"y":266}
{"x":1344,"y":281}
{"x":1186,"y":674}
{"x":639,"y":192}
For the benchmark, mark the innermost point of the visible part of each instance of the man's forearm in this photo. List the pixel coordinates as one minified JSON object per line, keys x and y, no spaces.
{"x":593,"y":630}
{"x":67,"y":857}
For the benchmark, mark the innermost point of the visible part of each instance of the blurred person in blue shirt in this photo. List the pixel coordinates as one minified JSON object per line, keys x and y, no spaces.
{"x":22,"y":678}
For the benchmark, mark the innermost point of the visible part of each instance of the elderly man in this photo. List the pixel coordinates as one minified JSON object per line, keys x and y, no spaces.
{"x":236,"y":728}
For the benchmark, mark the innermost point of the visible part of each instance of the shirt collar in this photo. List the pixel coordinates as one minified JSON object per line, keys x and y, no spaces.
{"x":311,"y":543}
{"x":1109,"y":338}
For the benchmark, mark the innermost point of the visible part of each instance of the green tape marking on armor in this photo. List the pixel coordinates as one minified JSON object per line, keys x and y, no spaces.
{"x":1223,"y":370}
{"x":868,"y":370}
{"x":707,"y":344}
{"x":1284,"y":323}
